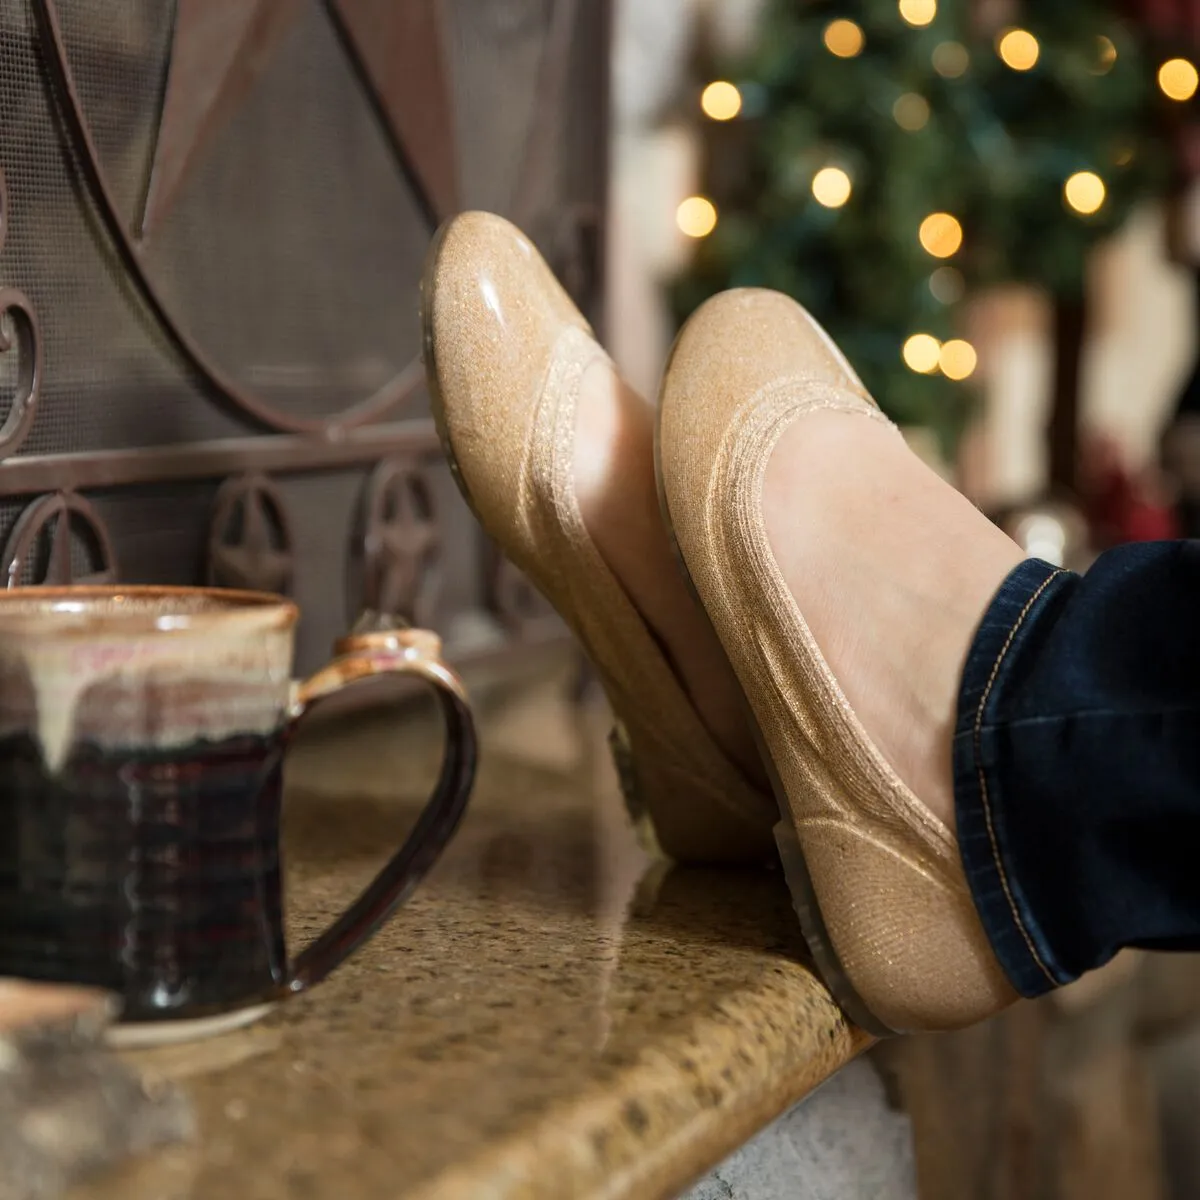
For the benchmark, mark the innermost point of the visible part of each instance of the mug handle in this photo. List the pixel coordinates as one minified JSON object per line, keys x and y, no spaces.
{"x":358,"y":657}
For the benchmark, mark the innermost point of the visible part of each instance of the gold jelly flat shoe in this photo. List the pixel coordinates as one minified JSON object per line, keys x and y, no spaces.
{"x":505,"y":353}
{"x":876,"y":878}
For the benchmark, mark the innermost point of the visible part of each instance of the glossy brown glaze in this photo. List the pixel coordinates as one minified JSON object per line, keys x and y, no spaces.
{"x":142,"y":737}
{"x":154,"y":875}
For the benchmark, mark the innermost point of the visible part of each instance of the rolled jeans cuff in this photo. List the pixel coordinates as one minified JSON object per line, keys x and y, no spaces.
{"x":1030,"y":592}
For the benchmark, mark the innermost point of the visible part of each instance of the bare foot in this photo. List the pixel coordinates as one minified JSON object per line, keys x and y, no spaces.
{"x":614,"y":481}
{"x":892,"y":569}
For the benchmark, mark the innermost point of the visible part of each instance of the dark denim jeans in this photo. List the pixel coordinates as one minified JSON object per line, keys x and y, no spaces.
{"x":1077,"y":762}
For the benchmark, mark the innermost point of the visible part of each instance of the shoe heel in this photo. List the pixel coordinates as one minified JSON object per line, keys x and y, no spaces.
{"x":631,"y":790}
{"x":677,"y":813}
{"x":812,"y":926}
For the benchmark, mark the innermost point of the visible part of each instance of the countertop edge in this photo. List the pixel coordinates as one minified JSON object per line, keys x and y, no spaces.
{"x":676,"y":1111}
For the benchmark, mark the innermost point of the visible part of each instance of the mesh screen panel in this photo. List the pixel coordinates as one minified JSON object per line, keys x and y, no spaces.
{"x":110,"y":379}
{"x":289,"y":255}
{"x":314,"y":308}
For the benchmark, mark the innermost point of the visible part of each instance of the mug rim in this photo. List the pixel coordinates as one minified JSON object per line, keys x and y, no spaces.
{"x":272,"y":611}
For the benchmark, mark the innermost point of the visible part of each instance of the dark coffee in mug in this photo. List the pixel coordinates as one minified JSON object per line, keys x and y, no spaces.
{"x":142,"y":738}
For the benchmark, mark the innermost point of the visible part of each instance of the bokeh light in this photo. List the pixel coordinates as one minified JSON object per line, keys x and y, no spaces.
{"x":918,"y":12}
{"x":957,"y":358}
{"x":1084,"y":192}
{"x":831,"y":187}
{"x":951,"y":59}
{"x":921,"y":353}
{"x":941,"y":235}
{"x":911,"y":111}
{"x":1106,"y":55}
{"x":844,"y":38}
{"x":1178,"y":79}
{"x":721,"y":100}
{"x":1018,"y":49}
{"x":696,"y":216}
{"x":947,"y":285}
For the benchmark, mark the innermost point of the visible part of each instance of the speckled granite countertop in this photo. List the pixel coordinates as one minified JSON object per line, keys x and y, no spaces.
{"x":552,"y":1014}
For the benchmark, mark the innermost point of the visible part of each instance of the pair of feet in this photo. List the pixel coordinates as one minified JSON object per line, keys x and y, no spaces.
{"x":889,"y":565}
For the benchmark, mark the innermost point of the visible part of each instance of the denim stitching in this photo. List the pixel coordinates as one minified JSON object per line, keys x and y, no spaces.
{"x":1099,"y":714}
{"x":987,"y":805}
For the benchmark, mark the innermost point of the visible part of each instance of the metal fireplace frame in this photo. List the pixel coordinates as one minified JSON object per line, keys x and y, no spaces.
{"x":251,"y":539}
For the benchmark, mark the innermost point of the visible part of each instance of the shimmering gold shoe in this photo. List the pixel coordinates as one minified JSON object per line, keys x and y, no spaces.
{"x":505,"y":353}
{"x":876,"y":877}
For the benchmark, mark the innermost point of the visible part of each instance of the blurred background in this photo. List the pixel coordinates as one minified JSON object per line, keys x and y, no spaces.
{"x":993,"y":207}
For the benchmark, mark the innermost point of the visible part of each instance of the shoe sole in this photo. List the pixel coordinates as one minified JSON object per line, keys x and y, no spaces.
{"x":795,"y":869}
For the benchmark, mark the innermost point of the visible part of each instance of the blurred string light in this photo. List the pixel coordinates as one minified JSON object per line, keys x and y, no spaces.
{"x":946,"y":285}
{"x":831,"y":187}
{"x":911,"y":112}
{"x":958,"y":359}
{"x":918,"y":12}
{"x":1178,"y":79}
{"x":1084,"y":192}
{"x":941,"y":235}
{"x":721,"y":100}
{"x":843,"y":38}
{"x":921,"y":353}
{"x":951,"y":59}
{"x":1106,"y":55}
{"x":696,"y":216}
{"x":1018,"y":49}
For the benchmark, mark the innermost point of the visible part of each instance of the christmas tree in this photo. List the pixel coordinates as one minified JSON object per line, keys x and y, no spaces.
{"x":877,"y":160}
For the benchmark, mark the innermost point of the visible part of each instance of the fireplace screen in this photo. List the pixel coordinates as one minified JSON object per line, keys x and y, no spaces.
{"x":213,"y":215}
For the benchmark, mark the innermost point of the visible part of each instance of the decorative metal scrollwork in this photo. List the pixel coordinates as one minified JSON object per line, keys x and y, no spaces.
{"x":16,"y":306}
{"x":40,"y":548}
{"x":250,"y":538}
{"x":400,"y":543}
{"x":234,"y":393}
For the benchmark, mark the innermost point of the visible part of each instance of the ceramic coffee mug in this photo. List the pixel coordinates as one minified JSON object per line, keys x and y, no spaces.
{"x":142,"y":737}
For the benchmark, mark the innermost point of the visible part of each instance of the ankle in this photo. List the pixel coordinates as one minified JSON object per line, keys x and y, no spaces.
{"x":892,"y":569}
{"x":618,"y":497}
